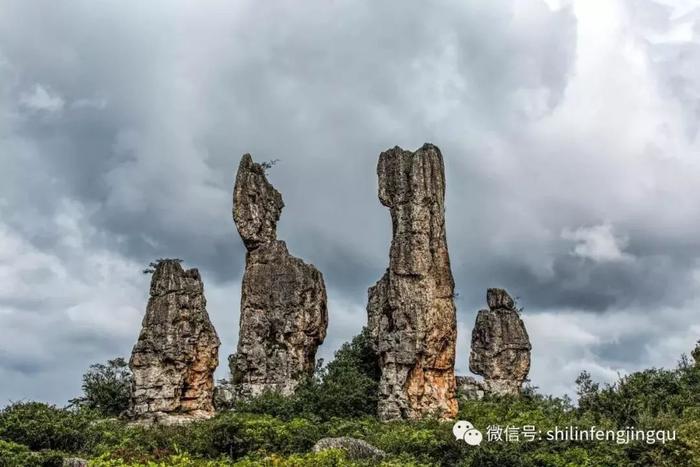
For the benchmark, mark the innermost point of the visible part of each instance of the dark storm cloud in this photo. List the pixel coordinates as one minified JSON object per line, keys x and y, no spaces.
{"x":577,"y":282}
{"x":121,"y":126}
{"x":284,"y":95}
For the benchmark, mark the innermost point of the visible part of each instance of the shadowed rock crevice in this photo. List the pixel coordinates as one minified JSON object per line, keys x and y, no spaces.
{"x":284,"y":314}
{"x":500,"y":350}
{"x":411,"y":312}
{"x":174,"y":359}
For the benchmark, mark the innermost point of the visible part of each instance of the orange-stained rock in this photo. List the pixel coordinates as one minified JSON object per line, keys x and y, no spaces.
{"x":174,"y":360}
{"x":411,"y":311}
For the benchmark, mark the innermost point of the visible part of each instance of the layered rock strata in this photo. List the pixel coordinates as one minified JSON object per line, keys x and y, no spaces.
{"x":177,"y":351}
{"x":284,"y":314}
{"x":411,"y":311}
{"x":500,"y":350}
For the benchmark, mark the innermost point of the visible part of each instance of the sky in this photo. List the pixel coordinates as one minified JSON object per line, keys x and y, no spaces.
{"x":569,"y":131}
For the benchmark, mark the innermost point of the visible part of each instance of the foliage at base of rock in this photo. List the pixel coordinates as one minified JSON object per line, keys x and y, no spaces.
{"x":346,"y":387}
{"x":39,"y":434}
{"x":106,"y":388}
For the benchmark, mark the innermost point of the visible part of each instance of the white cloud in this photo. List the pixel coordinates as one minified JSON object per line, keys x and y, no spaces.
{"x":63,"y":307}
{"x":606,"y":345}
{"x":74,"y":302}
{"x":42,"y":99}
{"x":598,"y":243}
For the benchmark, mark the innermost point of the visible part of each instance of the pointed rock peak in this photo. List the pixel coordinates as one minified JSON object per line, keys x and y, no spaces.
{"x":169,"y":276}
{"x":247,"y":162}
{"x":165,"y":268}
{"x":257,"y":205}
{"x":499,"y":299}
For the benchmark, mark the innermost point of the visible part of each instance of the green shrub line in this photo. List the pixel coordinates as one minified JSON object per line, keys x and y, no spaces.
{"x":339,"y":400}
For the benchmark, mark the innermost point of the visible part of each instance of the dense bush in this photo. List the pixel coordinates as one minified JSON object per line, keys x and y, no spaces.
{"x":106,"y":388}
{"x":340,"y":401}
{"x":17,"y":455}
{"x":235,"y":435}
{"x":345,"y":388}
{"x":330,"y":458}
{"x":642,"y":396}
{"x":41,"y":426}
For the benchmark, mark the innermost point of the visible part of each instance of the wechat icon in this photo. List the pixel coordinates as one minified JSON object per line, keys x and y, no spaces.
{"x":465,"y":431}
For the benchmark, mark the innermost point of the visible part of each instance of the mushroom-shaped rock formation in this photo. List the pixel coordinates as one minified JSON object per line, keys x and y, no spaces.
{"x":411,"y":311}
{"x":500,"y":345}
{"x":174,"y":359}
{"x":283,"y":300}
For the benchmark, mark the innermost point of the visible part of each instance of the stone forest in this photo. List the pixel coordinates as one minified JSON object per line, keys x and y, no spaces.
{"x":389,"y":397}
{"x":411,"y":315}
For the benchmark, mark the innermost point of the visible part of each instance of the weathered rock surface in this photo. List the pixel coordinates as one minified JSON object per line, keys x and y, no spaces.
{"x":174,"y":360}
{"x":257,"y":205}
{"x":696,"y":354}
{"x":224,"y":395}
{"x":411,"y":312}
{"x":500,"y":345}
{"x":356,"y":449}
{"x":283,"y":300}
{"x":470,"y":388}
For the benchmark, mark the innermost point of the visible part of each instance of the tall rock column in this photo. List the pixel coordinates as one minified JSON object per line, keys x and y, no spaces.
{"x":174,"y":359}
{"x":411,"y":311}
{"x":283,"y":300}
{"x":500,"y":345}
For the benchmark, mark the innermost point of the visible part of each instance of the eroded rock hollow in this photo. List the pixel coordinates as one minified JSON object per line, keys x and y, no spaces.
{"x":283,"y":300}
{"x":500,"y":349}
{"x":174,"y":359}
{"x":411,"y":311}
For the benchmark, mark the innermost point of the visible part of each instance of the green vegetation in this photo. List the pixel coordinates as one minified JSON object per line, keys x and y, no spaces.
{"x":106,"y":388}
{"x":345,"y":388}
{"x":272,"y":430}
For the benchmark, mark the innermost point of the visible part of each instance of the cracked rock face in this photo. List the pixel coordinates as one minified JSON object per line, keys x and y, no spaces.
{"x":500,"y":345}
{"x":257,"y":206}
{"x":411,"y":312}
{"x":174,"y":359}
{"x":470,"y":388}
{"x":283,"y":300}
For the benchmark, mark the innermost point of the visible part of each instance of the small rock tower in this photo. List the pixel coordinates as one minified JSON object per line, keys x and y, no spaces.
{"x":174,"y":359}
{"x":500,"y":345}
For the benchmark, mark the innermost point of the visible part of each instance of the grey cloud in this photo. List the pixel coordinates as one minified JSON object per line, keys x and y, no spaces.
{"x":537,"y":139}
